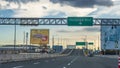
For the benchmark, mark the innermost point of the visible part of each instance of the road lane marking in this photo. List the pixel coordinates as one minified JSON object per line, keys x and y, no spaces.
{"x":17,"y":67}
{"x":74,"y":59}
{"x":69,"y":64}
{"x":36,"y":63}
{"x":64,"y":67}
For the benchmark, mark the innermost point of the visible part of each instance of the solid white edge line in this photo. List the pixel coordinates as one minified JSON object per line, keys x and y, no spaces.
{"x":69,"y":63}
{"x":36,"y":63}
{"x":17,"y":67}
{"x":64,"y":67}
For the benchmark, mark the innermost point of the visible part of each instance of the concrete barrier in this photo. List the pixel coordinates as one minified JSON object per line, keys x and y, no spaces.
{"x":25,"y":56}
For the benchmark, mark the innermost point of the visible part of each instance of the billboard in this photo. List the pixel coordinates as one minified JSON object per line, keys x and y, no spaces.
{"x":39,"y":36}
{"x":110,"y":37}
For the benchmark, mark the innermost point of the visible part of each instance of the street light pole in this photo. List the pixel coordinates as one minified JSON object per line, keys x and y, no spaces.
{"x":14,"y":36}
{"x":58,"y":41}
{"x":52,"y":40}
{"x":26,"y":40}
{"x":98,"y":43}
{"x":85,"y":40}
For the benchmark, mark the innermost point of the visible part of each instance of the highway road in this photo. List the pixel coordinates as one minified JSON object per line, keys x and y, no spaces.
{"x":74,"y":60}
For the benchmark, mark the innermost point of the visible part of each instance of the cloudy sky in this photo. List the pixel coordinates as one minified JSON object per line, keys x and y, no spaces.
{"x":56,"y":9}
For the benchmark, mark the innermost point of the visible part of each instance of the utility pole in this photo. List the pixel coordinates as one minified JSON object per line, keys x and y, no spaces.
{"x":85,"y":40}
{"x":14,"y":37}
{"x":52,"y":40}
{"x":26,"y":40}
{"x":58,"y":41}
{"x":23,"y":37}
{"x":61,"y":40}
{"x":98,"y":43}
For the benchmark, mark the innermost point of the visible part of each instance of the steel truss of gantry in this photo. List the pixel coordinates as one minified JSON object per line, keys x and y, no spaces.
{"x":54,"y":21}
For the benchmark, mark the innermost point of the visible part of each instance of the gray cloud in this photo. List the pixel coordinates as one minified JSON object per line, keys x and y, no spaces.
{"x":94,"y":29}
{"x":21,"y":1}
{"x":91,"y":29}
{"x":64,"y":31}
{"x":84,"y":3}
{"x":44,"y":7}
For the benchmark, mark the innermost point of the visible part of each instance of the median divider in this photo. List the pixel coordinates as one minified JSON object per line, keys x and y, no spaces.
{"x":4,"y":58}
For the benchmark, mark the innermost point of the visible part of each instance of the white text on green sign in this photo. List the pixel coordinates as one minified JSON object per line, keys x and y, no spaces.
{"x":80,"y":21}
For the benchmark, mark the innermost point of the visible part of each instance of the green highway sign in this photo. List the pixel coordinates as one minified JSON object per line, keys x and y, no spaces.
{"x":90,"y":43}
{"x":80,"y":43}
{"x":80,"y":21}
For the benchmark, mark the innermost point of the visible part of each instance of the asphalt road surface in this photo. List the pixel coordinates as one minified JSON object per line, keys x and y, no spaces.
{"x":74,"y":60}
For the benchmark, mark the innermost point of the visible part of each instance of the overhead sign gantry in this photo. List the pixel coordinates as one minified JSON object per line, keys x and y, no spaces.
{"x":55,"y":21}
{"x":81,"y":21}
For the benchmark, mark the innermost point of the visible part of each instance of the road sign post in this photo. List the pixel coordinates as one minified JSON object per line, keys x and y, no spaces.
{"x":80,"y":21}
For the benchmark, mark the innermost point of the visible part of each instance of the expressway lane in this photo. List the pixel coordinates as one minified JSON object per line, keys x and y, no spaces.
{"x":57,"y":62}
{"x":74,"y":60}
{"x":65,"y":62}
{"x":94,"y":62}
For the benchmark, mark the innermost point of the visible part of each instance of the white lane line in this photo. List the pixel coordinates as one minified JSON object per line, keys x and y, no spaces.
{"x":69,"y":64}
{"x":74,"y":59}
{"x":36,"y":63}
{"x":17,"y":67}
{"x":64,"y":67}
